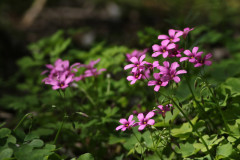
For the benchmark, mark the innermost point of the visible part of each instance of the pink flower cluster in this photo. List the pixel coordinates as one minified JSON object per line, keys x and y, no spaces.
{"x":141,"y":69}
{"x":61,"y":74}
{"x":144,"y":121}
{"x":169,"y":48}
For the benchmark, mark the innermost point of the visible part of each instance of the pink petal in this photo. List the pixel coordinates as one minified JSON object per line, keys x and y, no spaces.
{"x":178,"y":34}
{"x":195,"y":49}
{"x":171,"y":46}
{"x":198,"y":54}
{"x":63,"y":77}
{"x":156,"y":47}
{"x":181,"y":72}
{"x":141,"y":127}
{"x":55,"y":87}
{"x":130,"y":78}
{"x":161,"y":68}
{"x":174,"y":65}
{"x":155,"y":64}
{"x":165,"y":54}
{"x":176,"y":79}
{"x":165,"y":42}
{"x":171,"y":32}
{"x":92,"y":63}
{"x":68,"y":80}
{"x":123,"y":121}
{"x":164,"y":83}
{"x":44,"y":72}
{"x":198,"y":65}
{"x":156,"y":75}
{"x":208,"y":63}
{"x":129,"y":66}
{"x":142,"y":58}
{"x":49,"y":66}
{"x":134,"y":60}
{"x":176,"y":40}
{"x":209,"y":55}
{"x":119,"y":127}
{"x":156,"y":54}
{"x":162,"y":37}
{"x":124,"y":128}
{"x":151,"y":122}
{"x":131,"y":123}
{"x":156,"y":88}
{"x":166,"y":64}
{"x":150,"y":115}
{"x":192,"y":60}
{"x":140,"y":117}
{"x":134,"y":69}
{"x":130,"y":118}
{"x":133,"y":81}
{"x":183,"y":59}
{"x":187,"y":52}
{"x":152,"y":83}
{"x":165,"y":78}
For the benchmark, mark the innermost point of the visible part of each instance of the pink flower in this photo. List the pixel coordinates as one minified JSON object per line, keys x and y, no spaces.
{"x":203,"y":60}
{"x":137,"y":64}
{"x":170,"y":72}
{"x":153,"y":65}
{"x":160,"y":81}
{"x":143,"y":122}
{"x":136,"y":76}
{"x":126,"y":124}
{"x":175,"y":52}
{"x":191,"y":55}
{"x":173,"y":35}
{"x":91,"y":64}
{"x":93,"y":72}
{"x":61,"y":83}
{"x":163,"y":49}
{"x":163,"y":109}
{"x":186,"y":31}
{"x":136,"y":53}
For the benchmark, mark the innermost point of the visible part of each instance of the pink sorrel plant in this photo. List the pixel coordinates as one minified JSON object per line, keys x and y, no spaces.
{"x":61,"y":74}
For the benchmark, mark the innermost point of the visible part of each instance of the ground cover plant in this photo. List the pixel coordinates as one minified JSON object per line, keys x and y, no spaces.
{"x":176,"y":103}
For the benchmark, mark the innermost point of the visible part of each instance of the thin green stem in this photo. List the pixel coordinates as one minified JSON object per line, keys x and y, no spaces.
{"x":200,"y":107}
{"x":140,"y":144}
{"x":218,"y":107}
{"x":88,"y":96}
{"x":21,"y":121}
{"x":59,"y":130}
{"x":203,"y":141}
{"x":155,"y":149}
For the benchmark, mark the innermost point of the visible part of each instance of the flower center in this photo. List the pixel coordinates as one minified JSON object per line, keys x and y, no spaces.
{"x":164,"y":50}
{"x":192,"y":57}
{"x":136,"y":76}
{"x":126,"y":125}
{"x":61,"y":84}
{"x":159,"y":82}
{"x":171,"y":39}
{"x":137,"y":65}
{"x":144,"y":122}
